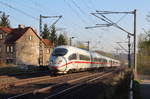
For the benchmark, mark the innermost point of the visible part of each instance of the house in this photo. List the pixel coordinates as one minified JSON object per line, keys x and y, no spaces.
{"x":22,"y":46}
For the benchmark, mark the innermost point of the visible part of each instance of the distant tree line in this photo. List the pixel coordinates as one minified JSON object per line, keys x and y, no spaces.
{"x":50,"y":34}
{"x":143,"y":57}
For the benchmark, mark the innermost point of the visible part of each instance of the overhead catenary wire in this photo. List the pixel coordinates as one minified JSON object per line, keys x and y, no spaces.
{"x":85,"y":3}
{"x":114,"y":24}
{"x":25,"y":5}
{"x":82,"y":11}
{"x":18,"y":10}
{"x":76,"y":12}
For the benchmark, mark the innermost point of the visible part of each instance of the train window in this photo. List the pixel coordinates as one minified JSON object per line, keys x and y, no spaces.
{"x":99,"y":60}
{"x":73,"y":57}
{"x":83,"y":57}
{"x":95,"y":59}
{"x":110,"y":61}
{"x":105,"y":61}
{"x":59,"y":52}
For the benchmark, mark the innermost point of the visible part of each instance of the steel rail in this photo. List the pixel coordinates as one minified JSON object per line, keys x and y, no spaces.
{"x":35,"y":92}
{"x":76,"y":86}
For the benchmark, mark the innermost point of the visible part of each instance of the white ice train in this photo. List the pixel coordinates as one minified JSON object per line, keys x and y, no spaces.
{"x":66,"y":59}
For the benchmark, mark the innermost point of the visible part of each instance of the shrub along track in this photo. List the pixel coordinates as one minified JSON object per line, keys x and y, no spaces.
{"x":62,"y":84}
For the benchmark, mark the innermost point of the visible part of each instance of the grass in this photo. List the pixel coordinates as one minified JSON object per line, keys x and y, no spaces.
{"x":136,"y":89}
{"x":143,"y":65}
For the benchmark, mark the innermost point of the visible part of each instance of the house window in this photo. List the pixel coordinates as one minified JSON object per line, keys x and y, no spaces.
{"x":0,"y":49}
{"x":30,"y":37}
{"x":7,"y":48}
{"x":11,"y":48}
{"x":1,"y":36}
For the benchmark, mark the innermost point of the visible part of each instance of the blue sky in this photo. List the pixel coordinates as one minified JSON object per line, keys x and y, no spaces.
{"x":76,"y":16}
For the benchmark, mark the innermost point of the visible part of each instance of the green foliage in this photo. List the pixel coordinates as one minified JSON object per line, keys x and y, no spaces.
{"x":143,"y":57}
{"x":4,"y":21}
{"x":53,"y":36}
{"x":136,"y":90}
{"x":61,"y":40}
{"x":46,"y":32}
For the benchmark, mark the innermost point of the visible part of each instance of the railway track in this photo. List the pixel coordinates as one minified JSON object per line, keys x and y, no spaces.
{"x":24,"y":78}
{"x":26,"y":85}
{"x":58,"y":89}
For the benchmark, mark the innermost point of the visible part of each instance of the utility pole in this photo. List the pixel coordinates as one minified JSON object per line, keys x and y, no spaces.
{"x":41,"y":59}
{"x":71,"y":40}
{"x":40,"y":25}
{"x":135,"y":57}
{"x":88,"y":45}
{"x":129,"y":54}
{"x":109,"y":23}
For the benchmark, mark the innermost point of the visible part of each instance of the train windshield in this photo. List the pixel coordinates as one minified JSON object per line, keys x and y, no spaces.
{"x":59,"y":52}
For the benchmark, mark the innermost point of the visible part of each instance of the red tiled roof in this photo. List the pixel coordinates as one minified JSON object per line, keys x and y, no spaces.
{"x":15,"y":34}
{"x":47,"y":42}
{"x":6,"y":29}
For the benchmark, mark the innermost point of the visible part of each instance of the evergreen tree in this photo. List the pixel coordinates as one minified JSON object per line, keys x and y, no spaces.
{"x":46,"y":33}
{"x":61,"y":40}
{"x":4,"y":21}
{"x":53,"y":36}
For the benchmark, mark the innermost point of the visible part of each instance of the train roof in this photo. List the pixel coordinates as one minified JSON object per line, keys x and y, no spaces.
{"x":72,"y":48}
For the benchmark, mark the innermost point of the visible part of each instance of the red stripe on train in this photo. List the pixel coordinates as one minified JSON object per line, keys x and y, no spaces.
{"x":79,"y":62}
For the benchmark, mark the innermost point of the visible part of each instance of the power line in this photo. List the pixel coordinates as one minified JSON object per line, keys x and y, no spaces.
{"x":40,"y":6}
{"x":82,"y":11}
{"x":75,"y":12}
{"x":121,"y":18}
{"x":109,"y":21}
{"x":18,"y":10}
{"x":87,"y":6}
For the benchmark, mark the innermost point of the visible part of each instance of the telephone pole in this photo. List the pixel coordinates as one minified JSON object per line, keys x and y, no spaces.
{"x":41,"y":59}
{"x":129,"y":54}
{"x":71,"y":40}
{"x":135,"y":57}
{"x":88,"y":45}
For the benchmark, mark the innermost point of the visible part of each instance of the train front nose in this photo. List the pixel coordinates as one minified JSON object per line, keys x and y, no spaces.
{"x":52,"y":66}
{"x":55,"y":64}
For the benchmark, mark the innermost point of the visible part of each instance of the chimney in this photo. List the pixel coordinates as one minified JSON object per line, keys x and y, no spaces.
{"x":21,"y":26}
